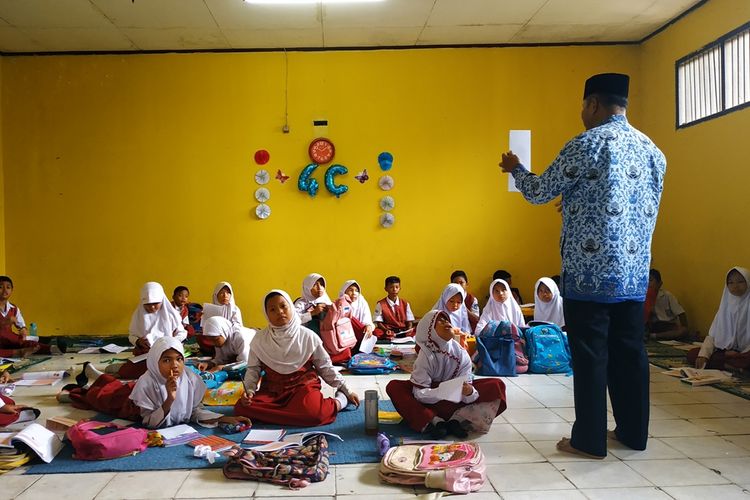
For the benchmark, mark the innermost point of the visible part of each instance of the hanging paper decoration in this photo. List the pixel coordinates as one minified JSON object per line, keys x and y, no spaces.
{"x":362,"y":177}
{"x":386,"y":220}
{"x":321,"y":150}
{"x":262,"y":177}
{"x":262,"y":211}
{"x":281,"y":177}
{"x":262,"y":195}
{"x":385,"y":182}
{"x":333,"y":188}
{"x":305,"y":183}
{"x":262,"y":156}
{"x":387,"y":203}
{"x":385,"y":160}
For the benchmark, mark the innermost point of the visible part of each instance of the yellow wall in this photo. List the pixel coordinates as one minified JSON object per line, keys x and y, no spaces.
{"x":123,"y":169}
{"x":2,"y":188}
{"x":702,"y":227}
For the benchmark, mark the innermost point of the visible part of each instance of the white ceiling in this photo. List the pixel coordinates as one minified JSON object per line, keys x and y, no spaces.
{"x":146,"y":25}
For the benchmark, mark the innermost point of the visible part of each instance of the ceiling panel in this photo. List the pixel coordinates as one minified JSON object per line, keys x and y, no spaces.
{"x":79,"y":39}
{"x":468,"y":35}
{"x":272,"y":39}
{"x":375,"y":37}
{"x":14,"y":40}
{"x":157,"y":13}
{"x":176,"y":38}
{"x":236,"y":15}
{"x":583,"y":12}
{"x":481,"y":12}
{"x":52,"y":14}
{"x":402,"y":13}
{"x":562,"y":33}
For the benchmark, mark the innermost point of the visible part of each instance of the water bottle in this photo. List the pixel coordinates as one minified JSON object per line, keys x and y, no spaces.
{"x":32,"y":330}
{"x":371,"y":412}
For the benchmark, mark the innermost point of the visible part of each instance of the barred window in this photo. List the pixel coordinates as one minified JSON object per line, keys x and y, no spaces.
{"x":715,"y":79}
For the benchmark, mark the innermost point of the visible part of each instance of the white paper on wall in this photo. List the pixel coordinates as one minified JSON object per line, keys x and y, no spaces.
{"x":519,"y":142}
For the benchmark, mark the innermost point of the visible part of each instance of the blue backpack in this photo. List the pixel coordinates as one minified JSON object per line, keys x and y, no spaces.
{"x":499,"y":350}
{"x":370,"y":364}
{"x":548,"y":349}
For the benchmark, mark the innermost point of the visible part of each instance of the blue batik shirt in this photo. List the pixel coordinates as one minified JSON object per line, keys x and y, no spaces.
{"x":611,"y":178}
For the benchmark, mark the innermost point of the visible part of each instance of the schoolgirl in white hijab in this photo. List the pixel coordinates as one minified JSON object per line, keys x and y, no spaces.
{"x":551,"y":311}
{"x":234,"y":342}
{"x":285,"y":350}
{"x":309,"y":300}
{"x":460,"y":317}
{"x":231,"y":311}
{"x":495,"y":310}
{"x":730,"y":329}
{"x":150,"y":392}
{"x":149,"y":322}
{"x":360,"y":307}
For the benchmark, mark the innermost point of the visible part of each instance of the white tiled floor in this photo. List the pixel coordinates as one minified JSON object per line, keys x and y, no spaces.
{"x":700,"y":449}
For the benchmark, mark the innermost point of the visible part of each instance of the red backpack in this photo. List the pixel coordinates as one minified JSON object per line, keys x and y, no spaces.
{"x":336,"y":328}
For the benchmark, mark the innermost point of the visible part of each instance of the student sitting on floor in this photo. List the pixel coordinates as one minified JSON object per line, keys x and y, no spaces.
{"x":224,"y":296}
{"x":441,"y":358}
{"x":667,"y":319}
{"x":548,"y":305}
{"x":231,"y":344}
{"x":180,"y":300}
{"x":361,"y":317}
{"x":392,"y":313}
{"x":152,"y":319}
{"x":727,"y":345}
{"x":164,"y":396}
{"x":471,"y":302}
{"x":314,"y":302}
{"x":501,"y":274}
{"x":294,"y":360}
{"x":500,"y":307}
{"x":451,"y":302}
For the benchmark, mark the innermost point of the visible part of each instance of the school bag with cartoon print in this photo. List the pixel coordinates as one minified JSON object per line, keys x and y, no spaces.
{"x":336,"y":330}
{"x":295,"y":466}
{"x":370,"y":364}
{"x":455,"y":467}
{"x":547,"y":348}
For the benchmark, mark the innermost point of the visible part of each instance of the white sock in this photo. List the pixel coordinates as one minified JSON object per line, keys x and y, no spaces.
{"x":436,"y":420}
{"x":340,"y":397}
{"x":92,"y":373}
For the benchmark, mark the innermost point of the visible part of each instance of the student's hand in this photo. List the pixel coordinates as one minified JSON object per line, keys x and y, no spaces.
{"x":731,"y":354}
{"x":171,"y":388}
{"x":509,"y":162}
{"x":368,"y":331}
{"x":202,"y":366}
{"x":216,"y":368}
{"x":317,"y":309}
{"x":700,"y":362}
{"x":12,"y":408}
{"x":143,"y":343}
{"x":28,"y":351}
{"x":467,"y":389}
{"x":390,"y":334}
{"x":353,"y":399}
{"x":235,"y":420}
{"x":456,"y":331}
{"x":5,"y":377}
{"x":246,"y":400}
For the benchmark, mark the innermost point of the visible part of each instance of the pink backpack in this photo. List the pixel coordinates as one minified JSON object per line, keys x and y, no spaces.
{"x":457,"y":467}
{"x":94,"y":440}
{"x":336,"y":328}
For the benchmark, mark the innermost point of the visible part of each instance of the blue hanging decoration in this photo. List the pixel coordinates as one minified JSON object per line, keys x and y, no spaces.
{"x":305,"y":183}
{"x":385,"y":160}
{"x":333,"y":188}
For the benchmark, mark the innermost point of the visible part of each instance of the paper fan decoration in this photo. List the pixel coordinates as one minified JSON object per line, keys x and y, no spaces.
{"x":385,"y":183}
{"x":262,"y":177}
{"x":387,"y":203}
{"x":262,"y":195}
{"x":386,"y":220}
{"x":263,"y":211}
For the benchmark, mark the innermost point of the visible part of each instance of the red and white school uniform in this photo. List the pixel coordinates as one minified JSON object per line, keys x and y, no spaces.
{"x":185,"y":315}
{"x":393,"y":314}
{"x":11,"y":316}
{"x":236,"y":346}
{"x":500,"y":311}
{"x":308,"y":300}
{"x":293,"y":359}
{"x":551,"y":311}
{"x":360,"y":314}
{"x":459,"y":318}
{"x":440,"y":360}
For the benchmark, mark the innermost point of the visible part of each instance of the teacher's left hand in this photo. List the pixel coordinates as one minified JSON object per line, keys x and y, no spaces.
{"x":509,"y":162}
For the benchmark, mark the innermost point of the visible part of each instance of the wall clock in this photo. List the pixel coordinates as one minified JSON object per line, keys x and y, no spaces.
{"x":321,"y":151}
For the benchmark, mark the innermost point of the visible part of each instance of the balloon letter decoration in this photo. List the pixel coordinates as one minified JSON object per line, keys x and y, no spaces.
{"x":305,"y":183}
{"x":332,"y":187}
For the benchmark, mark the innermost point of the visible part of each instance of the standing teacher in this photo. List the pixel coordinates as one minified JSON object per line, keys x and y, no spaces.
{"x":611,"y":179}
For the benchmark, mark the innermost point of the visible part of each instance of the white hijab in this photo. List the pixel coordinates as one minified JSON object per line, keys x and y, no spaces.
{"x":499,"y":311}
{"x":307,"y":295}
{"x":439,"y":359}
{"x":160,"y":323}
{"x":150,"y":390}
{"x":237,"y":341}
{"x":231,"y":311}
{"x":360,"y":307}
{"x":285,"y":349}
{"x":731,"y":326}
{"x":459,"y":318}
{"x":551,"y":311}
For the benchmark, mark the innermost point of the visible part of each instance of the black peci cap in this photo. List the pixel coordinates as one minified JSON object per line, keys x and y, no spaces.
{"x":607,"y":83}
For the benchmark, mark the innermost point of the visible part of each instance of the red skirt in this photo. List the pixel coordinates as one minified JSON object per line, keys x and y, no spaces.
{"x":292,"y":399}
{"x":107,"y":395}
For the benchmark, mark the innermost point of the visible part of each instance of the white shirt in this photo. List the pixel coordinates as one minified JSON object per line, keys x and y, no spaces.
{"x":666,"y":307}
{"x":379,"y":310}
{"x":20,"y":323}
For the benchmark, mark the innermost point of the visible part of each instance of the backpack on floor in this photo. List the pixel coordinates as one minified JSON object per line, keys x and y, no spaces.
{"x":295,"y":467}
{"x":94,"y":440}
{"x":456,"y":467}
{"x":336,"y":330}
{"x":500,"y":350}
{"x":370,"y":364}
{"x":548,"y":349}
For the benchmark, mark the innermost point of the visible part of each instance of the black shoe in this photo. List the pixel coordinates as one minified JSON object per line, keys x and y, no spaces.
{"x":62,"y":344}
{"x":81,"y":378}
{"x":70,"y":387}
{"x":454,"y":427}
{"x":436,"y":431}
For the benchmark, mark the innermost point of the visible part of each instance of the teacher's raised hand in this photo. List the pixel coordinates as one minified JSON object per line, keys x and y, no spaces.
{"x":509,"y":162}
